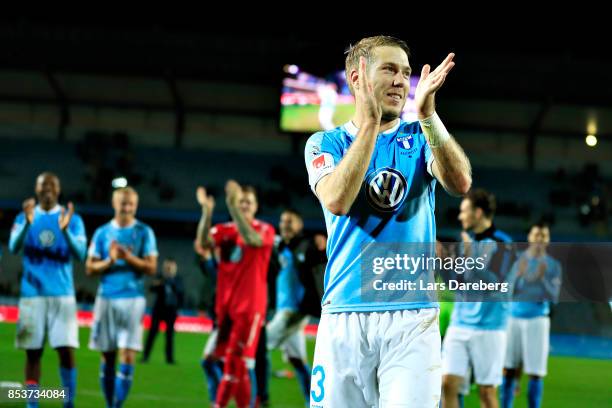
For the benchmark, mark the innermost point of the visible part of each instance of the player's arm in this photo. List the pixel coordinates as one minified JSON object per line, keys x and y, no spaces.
{"x":207,"y":203}
{"x":233,"y":193}
{"x":552,"y":282}
{"x":338,"y":190}
{"x":451,"y":167}
{"x":73,"y":232}
{"x":95,"y":266}
{"x":146,"y":265}
{"x":21,"y":226}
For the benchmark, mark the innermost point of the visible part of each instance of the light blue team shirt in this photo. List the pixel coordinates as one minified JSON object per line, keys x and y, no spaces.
{"x":48,"y":252}
{"x":395,"y":205}
{"x":539,"y":292}
{"x":491,"y":314}
{"x":121,"y":280}
{"x":289,"y":288}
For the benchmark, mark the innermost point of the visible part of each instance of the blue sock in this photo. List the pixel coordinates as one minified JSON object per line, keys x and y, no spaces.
{"x":302,"y":372}
{"x":107,"y":383}
{"x":213,"y":377}
{"x":506,"y":394}
{"x":31,"y":403}
{"x":69,"y":377}
{"x":460,"y":399}
{"x":253,"y":379}
{"x":123,"y":383}
{"x":534,"y":392}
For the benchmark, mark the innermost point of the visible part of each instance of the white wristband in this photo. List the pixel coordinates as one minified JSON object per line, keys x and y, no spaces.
{"x":434,"y":130}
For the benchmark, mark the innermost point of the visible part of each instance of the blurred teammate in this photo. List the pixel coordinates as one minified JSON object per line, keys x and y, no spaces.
{"x":538,"y":281}
{"x":476,"y":337}
{"x":122,"y":251}
{"x":208,"y":263}
{"x":286,"y":329}
{"x":169,"y":292}
{"x":50,"y":238}
{"x":244,"y":247}
{"x":375,"y":177}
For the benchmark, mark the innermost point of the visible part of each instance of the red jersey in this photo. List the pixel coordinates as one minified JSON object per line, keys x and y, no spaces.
{"x":242,"y":284}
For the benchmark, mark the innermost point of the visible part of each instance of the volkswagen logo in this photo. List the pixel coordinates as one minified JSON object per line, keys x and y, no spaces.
{"x":386,"y":189}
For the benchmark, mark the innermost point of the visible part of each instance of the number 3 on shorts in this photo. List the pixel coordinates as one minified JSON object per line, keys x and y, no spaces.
{"x":318,"y":396}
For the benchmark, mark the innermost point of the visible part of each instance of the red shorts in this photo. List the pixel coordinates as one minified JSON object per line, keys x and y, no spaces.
{"x":239,"y":335}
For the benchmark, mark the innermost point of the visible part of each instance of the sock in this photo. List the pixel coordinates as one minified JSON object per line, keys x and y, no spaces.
{"x":244,"y":388}
{"x":107,"y":383}
{"x":460,"y":399}
{"x":123,"y":383}
{"x":303,"y":374}
{"x":232,"y":376}
{"x":69,"y":377}
{"x":507,"y":391}
{"x":534,"y":392}
{"x":213,"y":377}
{"x":31,"y":385}
{"x":253,"y":381}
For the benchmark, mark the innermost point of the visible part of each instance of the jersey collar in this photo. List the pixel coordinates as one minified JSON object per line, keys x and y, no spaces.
{"x":352,"y":130}
{"x":116,"y":225}
{"x":54,"y":210}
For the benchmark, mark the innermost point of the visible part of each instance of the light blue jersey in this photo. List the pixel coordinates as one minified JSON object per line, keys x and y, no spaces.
{"x":493,"y":313}
{"x":121,"y":280}
{"x":48,"y":252}
{"x":540,"y":283}
{"x":395,"y":205}
{"x":289,"y":288}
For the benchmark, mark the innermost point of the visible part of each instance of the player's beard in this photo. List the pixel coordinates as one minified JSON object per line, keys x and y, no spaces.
{"x":388,"y":115}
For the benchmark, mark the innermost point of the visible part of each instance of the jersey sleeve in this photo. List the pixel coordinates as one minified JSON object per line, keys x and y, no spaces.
{"x":149,"y":247}
{"x":96,"y":248}
{"x":321,"y":157}
{"x":77,"y":238}
{"x":17,"y":233}
{"x":427,"y":154}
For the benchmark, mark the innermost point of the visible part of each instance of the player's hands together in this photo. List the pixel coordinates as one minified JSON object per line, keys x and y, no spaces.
{"x":65,"y":217}
{"x":368,"y":106}
{"x":28,"y":209}
{"x":429,"y":84}
{"x":233,"y":193}
{"x":206,"y":201}
{"x":114,"y":251}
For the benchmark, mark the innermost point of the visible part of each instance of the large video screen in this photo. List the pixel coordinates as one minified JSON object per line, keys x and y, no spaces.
{"x":310,"y":103}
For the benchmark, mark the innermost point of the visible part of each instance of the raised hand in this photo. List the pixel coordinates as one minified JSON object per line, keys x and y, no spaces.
{"x":367,"y":105}
{"x":429,"y":84}
{"x":204,"y":200}
{"x":65,"y":217}
{"x":28,"y":209}
{"x":233,"y":192}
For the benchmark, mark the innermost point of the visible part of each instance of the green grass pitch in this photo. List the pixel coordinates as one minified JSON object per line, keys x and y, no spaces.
{"x":572,"y":382}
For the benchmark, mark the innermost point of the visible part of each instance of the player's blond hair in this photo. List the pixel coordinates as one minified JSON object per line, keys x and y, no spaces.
{"x":364,"y":48}
{"x":124,"y":190}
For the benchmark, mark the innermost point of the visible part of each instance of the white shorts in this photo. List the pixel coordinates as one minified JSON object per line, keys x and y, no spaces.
{"x":483,"y":350}
{"x":55,"y":316}
{"x":286,"y":331}
{"x":117,"y":324}
{"x":377,"y":359}
{"x":528,"y":343}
